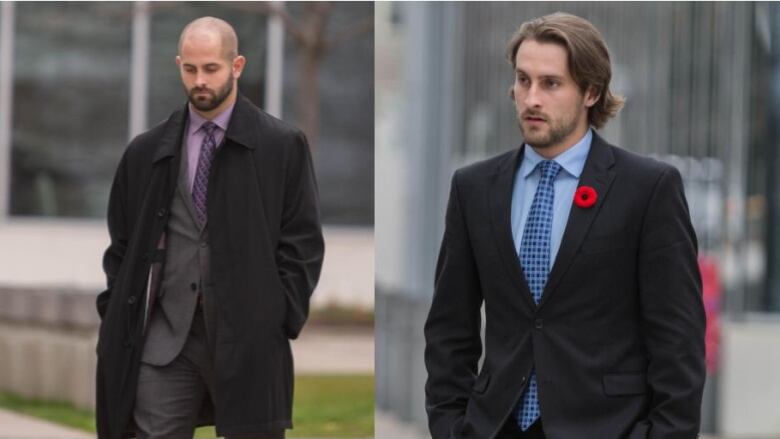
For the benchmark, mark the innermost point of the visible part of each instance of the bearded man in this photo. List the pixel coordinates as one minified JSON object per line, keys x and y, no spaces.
{"x":216,"y":247}
{"x":584,"y":258}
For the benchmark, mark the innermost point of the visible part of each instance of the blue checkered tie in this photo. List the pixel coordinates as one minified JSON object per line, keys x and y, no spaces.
{"x":535,"y":260}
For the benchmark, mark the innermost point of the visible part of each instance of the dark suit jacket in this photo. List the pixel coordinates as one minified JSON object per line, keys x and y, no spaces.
{"x":266,"y":253}
{"x":618,"y":337}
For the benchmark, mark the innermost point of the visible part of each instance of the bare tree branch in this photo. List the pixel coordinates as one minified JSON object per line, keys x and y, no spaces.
{"x":267,"y":8}
{"x":354,"y":30}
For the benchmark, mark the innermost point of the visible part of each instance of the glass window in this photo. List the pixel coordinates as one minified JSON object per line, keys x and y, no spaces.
{"x":343,"y":144}
{"x":70,"y":88}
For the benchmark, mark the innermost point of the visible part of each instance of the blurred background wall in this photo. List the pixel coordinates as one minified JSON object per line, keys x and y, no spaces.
{"x":702,"y":88}
{"x":79,"y":80}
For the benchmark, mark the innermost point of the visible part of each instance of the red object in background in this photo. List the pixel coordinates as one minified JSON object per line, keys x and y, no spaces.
{"x":711,"y":295}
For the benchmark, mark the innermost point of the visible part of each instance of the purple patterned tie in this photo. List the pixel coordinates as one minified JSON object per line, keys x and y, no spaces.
{"x":201,"y":183}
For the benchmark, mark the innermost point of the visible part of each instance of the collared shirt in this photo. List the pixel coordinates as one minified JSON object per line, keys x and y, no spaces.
{"x":195,"y":136}
{"x":527,"y":177}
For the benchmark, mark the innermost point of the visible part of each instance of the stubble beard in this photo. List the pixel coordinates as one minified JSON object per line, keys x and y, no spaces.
{"x":216,"y":99}
{"x":557,"y":130}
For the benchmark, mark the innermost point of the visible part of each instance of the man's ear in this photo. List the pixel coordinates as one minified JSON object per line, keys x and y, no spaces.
{"x":238,"y":66}
{"x":178,"y":60}
{"x":591,"y":96}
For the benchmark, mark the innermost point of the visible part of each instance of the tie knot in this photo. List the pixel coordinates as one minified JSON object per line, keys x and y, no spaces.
{"x":549,"y":168}
{"x":209,"y":127}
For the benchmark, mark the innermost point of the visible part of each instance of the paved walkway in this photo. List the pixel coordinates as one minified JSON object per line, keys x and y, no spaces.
{"x":388,"y":426}
{"x":16,"y":426}
{"x":329,"y":350}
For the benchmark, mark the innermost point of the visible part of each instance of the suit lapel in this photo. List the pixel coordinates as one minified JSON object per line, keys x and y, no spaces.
{"x":598,"y":174}
{"x":500,"y":195}
{"x":184,"y":185}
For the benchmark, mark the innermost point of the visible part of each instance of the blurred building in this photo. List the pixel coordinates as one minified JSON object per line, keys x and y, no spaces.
{"x":79,"y":80}
{"x":703,"y":92}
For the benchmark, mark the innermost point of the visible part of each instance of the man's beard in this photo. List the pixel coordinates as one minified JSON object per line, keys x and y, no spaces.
{"x":216,"y":99}
{"x":558,"y":130}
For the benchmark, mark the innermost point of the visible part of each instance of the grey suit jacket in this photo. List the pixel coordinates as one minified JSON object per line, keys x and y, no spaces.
{"x":186,"y":274}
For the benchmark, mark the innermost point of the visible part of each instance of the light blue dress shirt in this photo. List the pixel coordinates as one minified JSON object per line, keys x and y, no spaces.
{"x":527,"y":177}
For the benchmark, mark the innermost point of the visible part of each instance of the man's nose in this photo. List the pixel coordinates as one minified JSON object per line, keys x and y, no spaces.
{"x":531,"y":98}
{"x":200,"y":80}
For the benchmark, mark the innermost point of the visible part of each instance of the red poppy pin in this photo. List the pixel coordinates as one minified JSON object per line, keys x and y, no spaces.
{"x":585,"y":197}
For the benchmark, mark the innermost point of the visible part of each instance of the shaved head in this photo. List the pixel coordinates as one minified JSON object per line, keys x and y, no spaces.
{"x":206,"y":28}
{"x":209,"y":65}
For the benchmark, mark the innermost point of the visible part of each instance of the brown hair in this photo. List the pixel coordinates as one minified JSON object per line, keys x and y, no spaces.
{"x":589,"y":63}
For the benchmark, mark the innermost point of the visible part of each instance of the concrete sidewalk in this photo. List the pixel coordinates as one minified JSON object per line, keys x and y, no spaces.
{"x":16,"y":426}
{"x":334,"y":350}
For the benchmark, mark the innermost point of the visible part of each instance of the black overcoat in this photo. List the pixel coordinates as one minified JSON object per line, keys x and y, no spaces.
{"x":266,"y":254}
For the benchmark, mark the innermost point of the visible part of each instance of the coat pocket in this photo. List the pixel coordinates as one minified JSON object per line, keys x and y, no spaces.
{"x":623,"y":384}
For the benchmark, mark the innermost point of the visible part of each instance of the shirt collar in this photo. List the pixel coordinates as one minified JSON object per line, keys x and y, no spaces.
{"x":572,"y":160}
{"x":221,"y":120}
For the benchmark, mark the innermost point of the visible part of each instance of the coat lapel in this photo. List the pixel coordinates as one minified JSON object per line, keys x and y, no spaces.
{"x":172,"y":135}
{"x":168,"y":172}
{"x":500,"y":195}
{"x":598,"y":174}
{"x":242,"y":128}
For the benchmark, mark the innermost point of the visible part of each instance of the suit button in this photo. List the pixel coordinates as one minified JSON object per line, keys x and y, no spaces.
{"x":538,"y":324}
{"x":522,"y":380}
{"x":161,"y":212}
{"x":194,"y":286}
{"x":131,"y":300}
{"x":203,"y":245}
{"x":128,"y":343}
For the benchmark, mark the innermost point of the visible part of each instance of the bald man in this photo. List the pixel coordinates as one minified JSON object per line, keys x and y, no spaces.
{"x":216,"y":247}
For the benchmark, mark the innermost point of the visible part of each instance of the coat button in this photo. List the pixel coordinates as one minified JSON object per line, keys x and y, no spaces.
{"x":194,"y":286}
{"x":131,"y":300}
{"x":522,"y":380}
{"x":161,"y":212}
{"x":127,"y":343}
{"x":538,"y":324}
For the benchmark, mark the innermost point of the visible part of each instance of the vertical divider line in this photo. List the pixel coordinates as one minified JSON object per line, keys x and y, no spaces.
{"x":6,"y":104}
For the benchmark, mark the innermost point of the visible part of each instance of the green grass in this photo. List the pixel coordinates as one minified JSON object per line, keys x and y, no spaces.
{"x":325,"y":406}
{"x":334,"y":406}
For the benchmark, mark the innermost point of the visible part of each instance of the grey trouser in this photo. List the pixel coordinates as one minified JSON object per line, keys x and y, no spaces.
{"x":169,"y":397}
